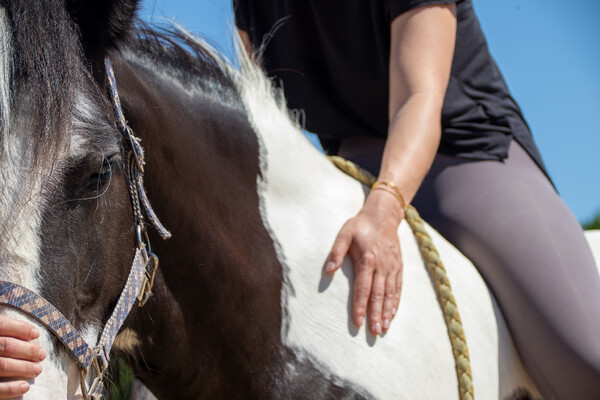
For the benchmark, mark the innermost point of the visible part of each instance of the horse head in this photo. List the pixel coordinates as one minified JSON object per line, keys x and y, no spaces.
{"x":67,"y":230}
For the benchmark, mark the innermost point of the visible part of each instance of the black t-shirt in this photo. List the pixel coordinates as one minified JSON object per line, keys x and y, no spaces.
{"x":332,"y":59}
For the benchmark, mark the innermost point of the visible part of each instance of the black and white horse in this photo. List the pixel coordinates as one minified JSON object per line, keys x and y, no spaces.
{"x":241,"y":308}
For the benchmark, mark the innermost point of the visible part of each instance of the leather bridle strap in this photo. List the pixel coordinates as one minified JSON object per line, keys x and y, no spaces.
{"x":38,"y":308}
{"x":35,"y":306}
{"x":137,"y":189}
{"x":142,"y":270}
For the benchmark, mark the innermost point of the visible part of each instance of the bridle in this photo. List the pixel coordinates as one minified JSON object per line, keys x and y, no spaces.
{"x":93,"y":361}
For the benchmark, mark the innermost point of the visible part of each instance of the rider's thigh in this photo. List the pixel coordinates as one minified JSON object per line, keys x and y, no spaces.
{"x":508,"y":219}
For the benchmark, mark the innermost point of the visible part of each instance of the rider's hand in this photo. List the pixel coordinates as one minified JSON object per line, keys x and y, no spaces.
{"x":19,"y":358}
{"x":371,"y":239}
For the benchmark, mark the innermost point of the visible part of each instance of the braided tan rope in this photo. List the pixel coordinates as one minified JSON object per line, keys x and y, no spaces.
{"x":438,"y":274}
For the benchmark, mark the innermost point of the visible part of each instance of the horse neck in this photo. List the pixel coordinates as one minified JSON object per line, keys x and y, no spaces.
{"x":219,"y":273}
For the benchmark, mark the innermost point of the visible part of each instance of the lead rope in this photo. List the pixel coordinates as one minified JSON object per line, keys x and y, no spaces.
{"x":440,"y":279}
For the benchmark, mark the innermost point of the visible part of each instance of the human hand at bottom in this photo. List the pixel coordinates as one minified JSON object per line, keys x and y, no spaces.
{"x":19,"y":358}
{"x":371,"y":240}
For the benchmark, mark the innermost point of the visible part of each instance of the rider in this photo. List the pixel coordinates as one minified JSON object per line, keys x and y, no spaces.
{"x":408,"y":89}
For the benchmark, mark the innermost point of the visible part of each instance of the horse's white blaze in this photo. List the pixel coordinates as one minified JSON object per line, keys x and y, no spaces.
{"x":5,"y":57}
{"x":414,"y":359}
{"x":20,"y":213}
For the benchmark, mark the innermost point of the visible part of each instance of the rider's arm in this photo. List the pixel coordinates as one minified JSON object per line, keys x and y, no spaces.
{"x":422,"y":48}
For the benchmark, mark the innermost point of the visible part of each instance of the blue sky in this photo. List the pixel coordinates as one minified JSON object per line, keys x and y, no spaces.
{"x":549,"y":53}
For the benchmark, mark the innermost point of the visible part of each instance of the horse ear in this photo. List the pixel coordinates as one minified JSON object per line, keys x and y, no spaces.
{"x":102,"y":23}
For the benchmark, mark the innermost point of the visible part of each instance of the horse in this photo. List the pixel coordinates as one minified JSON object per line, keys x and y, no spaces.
{"x":240,"y":306}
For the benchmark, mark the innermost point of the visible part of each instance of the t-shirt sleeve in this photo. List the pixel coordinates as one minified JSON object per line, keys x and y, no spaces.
{"x":397,"y":7}
{"x":240,"y":12}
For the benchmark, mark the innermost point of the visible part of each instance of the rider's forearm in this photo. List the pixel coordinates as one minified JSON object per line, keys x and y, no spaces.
{"x":413,"y":140}
{"x":422,"y":48}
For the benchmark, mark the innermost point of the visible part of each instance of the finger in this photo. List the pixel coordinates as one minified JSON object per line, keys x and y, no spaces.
{"x":376,"y":303}
{"x":12,"y":368}
{"x":398,"y":293}
{"x":15,"y":348}
{"x":362,"y":288}
{"x":389,"y":301}
{"x":338,"y":252}
{"x":17,"y":329}
{"x":11,"y":390}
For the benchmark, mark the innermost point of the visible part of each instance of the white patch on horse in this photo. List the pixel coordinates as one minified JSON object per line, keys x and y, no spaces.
{"x":304,"y":202}
{"x":593,"y":238}
{"x":127,"y":341}
{"x":86,"y":120}
{"x":5,"y":69}
{"x":21,"y":205}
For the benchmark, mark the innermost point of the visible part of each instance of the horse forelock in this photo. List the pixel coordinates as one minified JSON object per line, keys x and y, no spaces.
{"x":45,"y":72}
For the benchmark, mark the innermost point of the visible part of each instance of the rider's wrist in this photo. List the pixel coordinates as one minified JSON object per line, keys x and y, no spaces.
{"x":391,"y":188}
{"x":387,"y":203}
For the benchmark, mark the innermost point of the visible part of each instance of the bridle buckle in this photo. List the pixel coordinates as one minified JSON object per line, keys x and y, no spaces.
{"x":98,"y":367}
{"x":148,"y":279}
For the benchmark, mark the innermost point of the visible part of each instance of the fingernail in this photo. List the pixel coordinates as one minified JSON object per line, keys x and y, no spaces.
{"x":42,"y":354}
{"x":386,"y":324}
{"x":377,"y":328}
{"x":35,"y":333}
{"x":330,"y":266}
{"x":361,"y":319}
{"x":394,"y":311}
{"x":24,"y":387}
{"x":37,"y":368}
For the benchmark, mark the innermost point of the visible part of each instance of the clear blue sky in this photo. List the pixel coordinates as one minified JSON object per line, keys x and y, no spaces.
{"x":549,"y":53}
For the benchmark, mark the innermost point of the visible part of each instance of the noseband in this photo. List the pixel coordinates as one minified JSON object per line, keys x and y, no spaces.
{"x":93,"y":361}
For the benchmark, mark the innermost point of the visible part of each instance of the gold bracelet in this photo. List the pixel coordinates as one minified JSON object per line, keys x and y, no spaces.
{"x":393,"y":189}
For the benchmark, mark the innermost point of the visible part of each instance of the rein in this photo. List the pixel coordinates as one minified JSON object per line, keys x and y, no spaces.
{"x":93,"y":361}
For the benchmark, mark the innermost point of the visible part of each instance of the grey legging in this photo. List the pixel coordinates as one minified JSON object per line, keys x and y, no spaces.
{"x":507,"y":218}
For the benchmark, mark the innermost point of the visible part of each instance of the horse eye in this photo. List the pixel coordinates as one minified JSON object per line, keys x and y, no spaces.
{"x":99,"y":179}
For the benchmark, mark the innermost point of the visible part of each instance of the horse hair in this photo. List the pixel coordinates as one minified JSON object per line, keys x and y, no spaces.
{"x":183,"y":55}
{"x":44,"y":39}
{"x":5,"y":54}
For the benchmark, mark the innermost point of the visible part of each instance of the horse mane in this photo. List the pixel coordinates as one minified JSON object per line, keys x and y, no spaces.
{"x":193,"y":60}
{"x":185,"y":56}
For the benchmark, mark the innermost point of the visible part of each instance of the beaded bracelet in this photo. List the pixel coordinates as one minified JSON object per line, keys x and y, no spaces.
{"x":393,"y":189}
